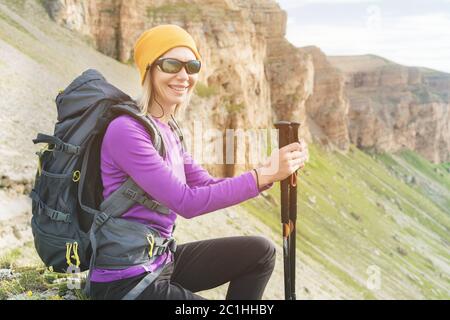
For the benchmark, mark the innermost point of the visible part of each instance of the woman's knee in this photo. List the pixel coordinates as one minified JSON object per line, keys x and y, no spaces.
{"x":266,"y":248}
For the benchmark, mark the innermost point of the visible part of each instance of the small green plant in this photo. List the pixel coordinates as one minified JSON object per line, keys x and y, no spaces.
{"x":190,"y":11}
{"x":110,"y":11}
{"x":33,"y":282}
{"x":204,"y":91}
{"x":7,"y":260}
{"x":234,"y":107}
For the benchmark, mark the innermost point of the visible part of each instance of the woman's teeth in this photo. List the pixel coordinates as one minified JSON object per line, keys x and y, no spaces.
{"x":179,"y":89}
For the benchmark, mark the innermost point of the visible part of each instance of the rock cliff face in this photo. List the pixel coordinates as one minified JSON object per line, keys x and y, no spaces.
{"x":253,"y":76}
{"x":394,"y":107}
{"x":328,"y":105}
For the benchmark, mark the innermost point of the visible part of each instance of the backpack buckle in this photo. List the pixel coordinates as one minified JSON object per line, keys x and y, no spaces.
{"x":154,"y":205}
{"x":101,"y":219}
{"x":172,"y":245}
{"x":68,"y":148}
{"x":67,"y":219}
{"x":169,"y":244}
{"x":54,"y":215}
{"x":130,"y":193}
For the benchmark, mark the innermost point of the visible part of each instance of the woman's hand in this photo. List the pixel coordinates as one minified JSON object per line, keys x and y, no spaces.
{"x":283,"y":162}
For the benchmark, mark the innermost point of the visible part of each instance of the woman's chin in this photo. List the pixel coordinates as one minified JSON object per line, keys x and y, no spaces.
{"x":176,"y":100}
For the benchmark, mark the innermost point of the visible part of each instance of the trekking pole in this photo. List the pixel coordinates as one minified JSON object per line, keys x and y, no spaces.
{"x":283,"y":140}
{"x":293,"y":137}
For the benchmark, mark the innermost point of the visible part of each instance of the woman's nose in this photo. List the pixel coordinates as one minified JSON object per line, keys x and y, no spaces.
{"x":182,"y":74}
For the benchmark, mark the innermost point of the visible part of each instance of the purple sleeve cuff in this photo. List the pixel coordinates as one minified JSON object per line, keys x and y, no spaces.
{"x":259,"y":190}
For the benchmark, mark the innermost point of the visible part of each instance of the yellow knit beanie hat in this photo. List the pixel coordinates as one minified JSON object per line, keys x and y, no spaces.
{"x":156,"y":41}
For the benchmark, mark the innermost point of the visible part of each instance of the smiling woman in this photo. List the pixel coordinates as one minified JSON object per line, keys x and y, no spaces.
{"x":169,"y":64}
{"x":164,"y":87}
{"x":169,"y":82}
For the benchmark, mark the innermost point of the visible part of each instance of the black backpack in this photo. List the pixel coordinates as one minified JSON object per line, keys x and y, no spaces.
{"x":67,"y":193}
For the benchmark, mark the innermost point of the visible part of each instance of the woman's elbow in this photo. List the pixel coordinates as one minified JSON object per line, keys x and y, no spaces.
{"x":189,"y":204}
{"x":188,"y":213}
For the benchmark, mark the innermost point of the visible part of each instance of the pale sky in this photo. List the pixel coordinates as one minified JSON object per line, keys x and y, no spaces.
{"x":409,"y":32}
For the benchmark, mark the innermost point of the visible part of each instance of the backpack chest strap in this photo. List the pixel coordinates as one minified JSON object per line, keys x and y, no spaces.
{"x":147,"y":202}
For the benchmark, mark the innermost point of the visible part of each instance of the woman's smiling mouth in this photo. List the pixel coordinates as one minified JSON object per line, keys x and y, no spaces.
{"x":178,"y":89}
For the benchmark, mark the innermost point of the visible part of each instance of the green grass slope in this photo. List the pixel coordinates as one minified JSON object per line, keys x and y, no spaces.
{"x":358,"y":212}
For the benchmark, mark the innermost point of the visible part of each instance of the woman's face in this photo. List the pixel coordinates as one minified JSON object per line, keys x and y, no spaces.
{"x":162,"y":82}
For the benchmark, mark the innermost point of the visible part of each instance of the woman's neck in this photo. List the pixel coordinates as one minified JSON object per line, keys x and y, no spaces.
{"x":156,"y":112}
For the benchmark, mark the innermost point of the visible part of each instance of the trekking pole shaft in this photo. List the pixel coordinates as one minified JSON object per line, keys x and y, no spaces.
{"x":293,"y":216}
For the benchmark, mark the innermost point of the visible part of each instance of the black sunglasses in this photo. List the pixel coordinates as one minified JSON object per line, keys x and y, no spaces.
{"x":170,"y":65}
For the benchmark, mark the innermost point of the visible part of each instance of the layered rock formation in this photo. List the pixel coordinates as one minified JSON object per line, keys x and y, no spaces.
{"x":328,"y":105}
{"x":394,"y":107}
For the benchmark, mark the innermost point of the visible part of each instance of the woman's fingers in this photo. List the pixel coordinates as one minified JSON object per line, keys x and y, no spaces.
{"x":297,"y":155}
{"x":297,"y":163}
{"x":294,"y":155}
{"x":294,"y":146}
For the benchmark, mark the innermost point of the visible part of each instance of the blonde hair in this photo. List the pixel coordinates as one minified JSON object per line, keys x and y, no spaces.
{"x":146,"y":96}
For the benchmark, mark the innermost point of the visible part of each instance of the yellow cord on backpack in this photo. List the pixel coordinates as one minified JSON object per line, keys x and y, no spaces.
{"x":75,"y":254}
{"x":68,"y":249}
{"x":151,"y":241}
{"x":74,"y":248}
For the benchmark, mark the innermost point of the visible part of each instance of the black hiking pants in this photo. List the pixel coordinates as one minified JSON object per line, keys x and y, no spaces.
{"x":246,"y":262}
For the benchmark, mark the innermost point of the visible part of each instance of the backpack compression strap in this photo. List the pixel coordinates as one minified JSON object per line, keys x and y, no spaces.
{"x":128,"y":194}
{"x":58,"y":143}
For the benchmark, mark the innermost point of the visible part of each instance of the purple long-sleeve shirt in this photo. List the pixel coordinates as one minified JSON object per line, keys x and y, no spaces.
{"x":177,"y":181}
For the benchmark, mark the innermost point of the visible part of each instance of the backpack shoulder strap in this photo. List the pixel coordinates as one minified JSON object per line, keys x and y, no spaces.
{"x":129,"y":193}
{"x":132,"y":110}
{"x":176,"y":128}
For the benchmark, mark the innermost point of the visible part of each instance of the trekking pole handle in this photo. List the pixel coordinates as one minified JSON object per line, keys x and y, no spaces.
{"x":283,"y":140}
{"x":294,"y":138}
